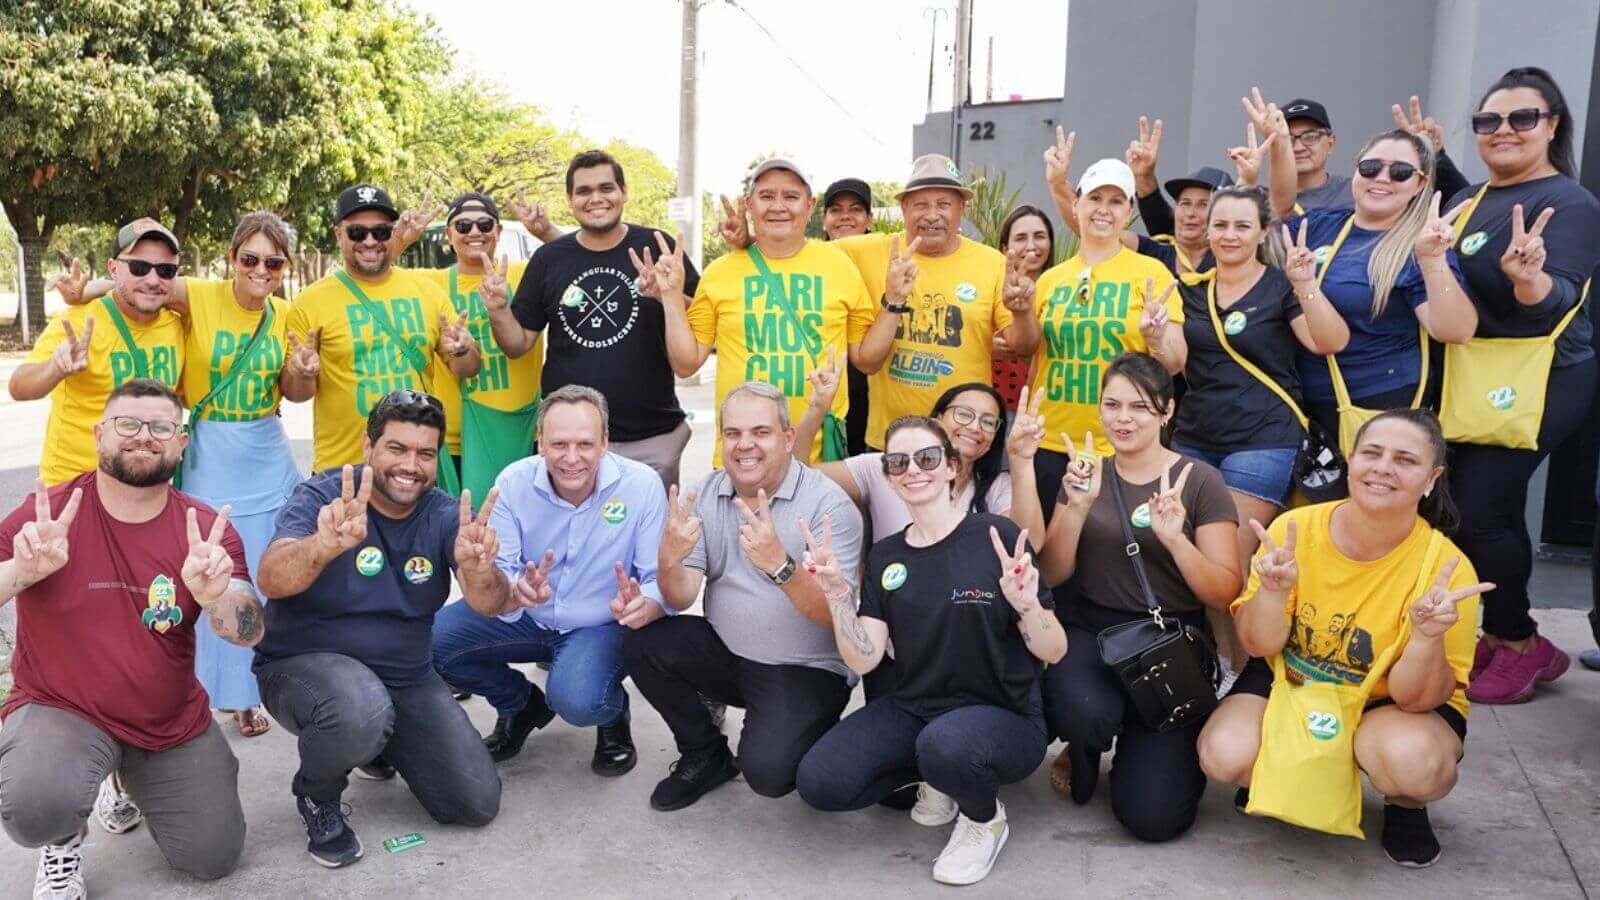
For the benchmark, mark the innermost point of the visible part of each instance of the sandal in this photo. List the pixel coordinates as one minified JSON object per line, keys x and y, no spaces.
{"x":1061,"y":774}
{"x":252,"y":722}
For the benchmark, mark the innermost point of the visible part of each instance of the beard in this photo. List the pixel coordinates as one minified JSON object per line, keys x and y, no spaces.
{"x":383,"y":485}
{"x":159,"y":472}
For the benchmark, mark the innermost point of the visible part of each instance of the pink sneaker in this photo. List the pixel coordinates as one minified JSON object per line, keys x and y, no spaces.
{"x":1511,"y":677}
{"x":1482,"y":656}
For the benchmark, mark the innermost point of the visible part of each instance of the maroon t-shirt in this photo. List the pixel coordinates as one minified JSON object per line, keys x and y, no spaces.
{"x":110,"y":637}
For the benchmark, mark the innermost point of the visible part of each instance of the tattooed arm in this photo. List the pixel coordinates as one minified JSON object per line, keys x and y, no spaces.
{"x":861,"y":640}
{"x":238,"y":617}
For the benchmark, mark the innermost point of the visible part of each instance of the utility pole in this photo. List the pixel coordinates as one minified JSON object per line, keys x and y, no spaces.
{"x":988,"y":85}
{"x":689,"y":73}
{"x":933,"y":13}
{"x":963,"y":64}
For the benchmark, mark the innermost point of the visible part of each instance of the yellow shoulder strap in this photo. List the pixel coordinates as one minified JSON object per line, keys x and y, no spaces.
{"x":1247,"y":365}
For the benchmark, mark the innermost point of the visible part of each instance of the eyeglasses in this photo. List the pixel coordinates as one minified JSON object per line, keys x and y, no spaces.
{"x":966,"y":415}
{"x":405,"y":398}
{"x":139,"y":268}
{"x":1398,"y":169}
{"x":358,"y":233}
{"x":129,"y":426}
{"x":1520,"y":119}
{"x":1309,"y":138}
{"x":464,"y":226}
{"x":927,"y":459}
{"x":273,"y":263}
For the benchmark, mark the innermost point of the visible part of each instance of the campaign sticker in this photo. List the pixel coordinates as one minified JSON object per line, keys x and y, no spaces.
{"x":1503,"y":397}
{"x":369,"y":561}
{"x":1140,"y":517}
{"x":1473,"y":242}
{"x":894,"y":576}
{"x":966,"y":292}
{"x":614,"y":510}
{"x":573,"y":297}
{"x":418,"y":569}
{"x":1324,"y":726}
{"x":161,"y":601}
{"x":1323,"y":254}
{"x":1234,"y":323}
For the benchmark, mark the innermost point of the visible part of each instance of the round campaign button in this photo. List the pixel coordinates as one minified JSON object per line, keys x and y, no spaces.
{"x":894,"y":575}
{"x":369,"y":561}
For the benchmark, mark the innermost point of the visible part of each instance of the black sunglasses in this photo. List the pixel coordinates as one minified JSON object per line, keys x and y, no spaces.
{"x":408,"y":398}
{"x":139,"y":268}
{"x":1398,"y":170}
{"x":927,"y":459}
{"x":464,"y":226}
{"x":273,"y":263}
{"x":1520,"y":119}
{"x":358,"y":233}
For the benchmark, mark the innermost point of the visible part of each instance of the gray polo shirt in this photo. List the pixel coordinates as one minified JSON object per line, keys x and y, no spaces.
{"x":752,"y":615}
{"x":1334,"y":194}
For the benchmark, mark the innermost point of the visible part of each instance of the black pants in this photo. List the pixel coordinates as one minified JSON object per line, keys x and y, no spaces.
{"x":1048,"y":469}
{"x":1490,"y":486}
{"x":1594,"y":582}
{"x":675,"y":661}
{"x":1156,"y":781}
{"x":967,"y":753}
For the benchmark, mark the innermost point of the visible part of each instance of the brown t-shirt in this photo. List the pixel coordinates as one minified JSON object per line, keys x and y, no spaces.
{"x":1105,"y":573}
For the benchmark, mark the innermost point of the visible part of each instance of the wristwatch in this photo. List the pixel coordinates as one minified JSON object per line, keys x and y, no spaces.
{"x":784,"y":572}
{"x":902,"y":309}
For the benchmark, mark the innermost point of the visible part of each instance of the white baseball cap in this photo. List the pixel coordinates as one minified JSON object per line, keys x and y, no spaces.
{"x":1107,"y":172}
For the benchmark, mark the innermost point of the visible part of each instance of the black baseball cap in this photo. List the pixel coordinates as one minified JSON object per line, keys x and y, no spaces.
{"x":1208,"y":177}
{"x":1307,"y":109}
{"x":847,"y":186}
{"x":472,"y":200}
{"x":361,"y":197}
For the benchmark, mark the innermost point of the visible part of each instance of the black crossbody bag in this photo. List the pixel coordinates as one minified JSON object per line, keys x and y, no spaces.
{"x":1169,"y":669}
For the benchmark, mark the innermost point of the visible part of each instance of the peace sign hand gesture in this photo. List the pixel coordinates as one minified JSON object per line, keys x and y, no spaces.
{"x":1437,"y":233}
{"x":532,"y":216}
{"x":734,"y":227}
{"x":1276,"y":567}
{"x":1524,"y":258}
{"x":758,"y":537}
{"x":1082,"y":478}
{"x":820,"y":560}
{"x":534,"y":588}
{"x":494,"y":289}
{"x":1265,"y":116}
{"x":1299,"y":263}
{"x":1167,"y":512}
{"x":39,"y":549}
{"x":682,"y":533}
{"x":454,"y":338}
{"x":902,"y":271}
{"x":70,"y":284}
{"x":632,"y":607}
{"x":825,"y":380}
{"x":477,"y":544}
{"x":1028,"y":430}
{"x":342,"y":523}
{"x":208,"y":567}
{"x":1058,"y":158}
{"x":1153,"y":324}
{"x":409,"y":227}
{"x":1418,"y":124}
{"x":1435,"y":612}
{"x":1018,"y":293}
{"x":1019,"y":577}
{"x":1142,"y":153}
{"x":72,"y":354}
{"x":1247,"y":159}
{"x":303,"y":360}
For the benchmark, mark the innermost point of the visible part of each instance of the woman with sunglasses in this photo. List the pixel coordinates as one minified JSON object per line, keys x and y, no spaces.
{"x":1387,"y":267}
{"x":1184,"y":522}
{"x":1028,"y":232}
{"x":957,"y":596}
{"x":1527,"y":240}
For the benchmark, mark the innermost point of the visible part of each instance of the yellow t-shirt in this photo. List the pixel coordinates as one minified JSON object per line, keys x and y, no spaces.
{"x":360,"y":364}
{"x":946,"y":339}
{"x":503,"y":383}
{"x":217,"y":330}
{"x":1344,"y":614}
{"x":1087,"y":323}
{"x":79,"y":401}
{"x":756,"y":340}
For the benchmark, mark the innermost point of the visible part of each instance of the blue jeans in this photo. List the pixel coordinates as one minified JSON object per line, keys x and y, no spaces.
{"x":474,"y":652}
{"x":1262,"y":474}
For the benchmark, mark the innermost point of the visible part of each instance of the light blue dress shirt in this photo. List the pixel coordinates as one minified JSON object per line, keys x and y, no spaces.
{"x":621,"y":521}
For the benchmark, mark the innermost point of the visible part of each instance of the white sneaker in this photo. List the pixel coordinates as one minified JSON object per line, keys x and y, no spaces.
{"x":934,"y":808}
{"x":972,"y":849}
{"x":114,"y":810}
{"x":60,"y":873}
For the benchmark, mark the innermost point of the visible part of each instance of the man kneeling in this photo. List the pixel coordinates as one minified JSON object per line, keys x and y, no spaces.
{"x":347,"y":666}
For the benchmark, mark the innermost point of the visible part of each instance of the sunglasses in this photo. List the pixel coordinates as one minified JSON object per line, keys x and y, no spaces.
{"x":1520,"y":119}
{"x":927,"y":459}
{"x":273,"y":263}
{"x":139,"y":268}
{"x":464,"y":226}
{"x":965,"y":415}
{"x":129,"y":426}
{"x":408,"y":398}
{"x":358,"y":233}
{"x":1398,"y":170}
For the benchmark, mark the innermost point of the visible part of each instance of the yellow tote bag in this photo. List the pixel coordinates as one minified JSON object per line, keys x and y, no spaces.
{"x":1306,"y":773}
{"x":1352,"y":417}
{"x":1494,"y":388}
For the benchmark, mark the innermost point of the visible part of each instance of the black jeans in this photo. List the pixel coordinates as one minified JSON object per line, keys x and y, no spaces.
{"x":966,"y":753}
{"x":345,"y":716}
{"x":1156,"y":780}
{"x":673,"y":662}
{"x":1490,"y":487}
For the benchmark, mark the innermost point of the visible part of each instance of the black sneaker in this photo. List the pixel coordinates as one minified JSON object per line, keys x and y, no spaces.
{"x":511,"y":731}
{"x":692,"y":778}
{"x":613,"y":749}
{"x":331,"y":843}
{"x":378,"y":769}
{"x":1084,"y":775}
{"x":1408,"y":837}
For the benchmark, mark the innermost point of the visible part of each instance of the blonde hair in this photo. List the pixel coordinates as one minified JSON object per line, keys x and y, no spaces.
{"x":1394,"y":248}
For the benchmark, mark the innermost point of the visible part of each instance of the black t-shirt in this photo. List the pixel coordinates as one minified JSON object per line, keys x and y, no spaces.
{"x":1167,"y":252}
{"x":1226,"y":409}
{"x":375,"y":602}
{"x":956,"y":641}
{"x":602,"y":333}
{"x":1572,"y":245}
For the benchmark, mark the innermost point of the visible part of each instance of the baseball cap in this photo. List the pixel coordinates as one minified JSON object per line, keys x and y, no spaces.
{"x":1208,"y":177}
{"x":853,"y":186}
{"x":361,"y":197}
{"x":472,"y":200}
{"x":1307,"y":109}
{"x":774,"y":163}
{"x":1107,"y":172}
{"x":139,"y":229}
{"x":934,"y":171}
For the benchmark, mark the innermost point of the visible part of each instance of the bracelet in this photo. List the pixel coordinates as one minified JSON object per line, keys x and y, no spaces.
{"x":900,"y":310}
